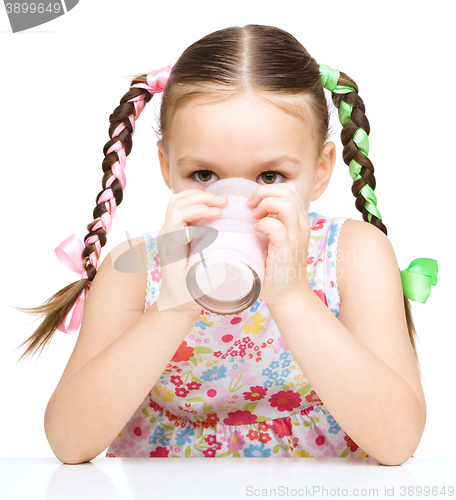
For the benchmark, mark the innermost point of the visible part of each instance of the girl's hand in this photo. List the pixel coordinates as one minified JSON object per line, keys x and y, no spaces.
{"x":289,"y":236}
{"x":184,"y":208}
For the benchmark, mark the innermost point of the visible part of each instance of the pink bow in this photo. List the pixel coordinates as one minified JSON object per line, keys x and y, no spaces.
{"x":69,"y":253}
{"x":156,"y":80}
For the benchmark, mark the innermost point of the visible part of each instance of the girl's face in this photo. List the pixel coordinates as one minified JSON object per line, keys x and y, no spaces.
{"x":243,"y":137}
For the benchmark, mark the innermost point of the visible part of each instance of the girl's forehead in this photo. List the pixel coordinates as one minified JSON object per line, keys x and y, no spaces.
{"x":240,"y":122}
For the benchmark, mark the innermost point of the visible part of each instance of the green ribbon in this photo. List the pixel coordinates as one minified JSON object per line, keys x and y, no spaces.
{"x":329,"y":79}
{"x":418,"y":278}
{"x":421,"y":274}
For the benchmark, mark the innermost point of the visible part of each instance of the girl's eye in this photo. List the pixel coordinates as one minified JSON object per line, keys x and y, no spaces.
{"x":205,"y":175}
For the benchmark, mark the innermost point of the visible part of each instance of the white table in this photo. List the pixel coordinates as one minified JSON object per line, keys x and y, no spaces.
{"x":232,"y":478}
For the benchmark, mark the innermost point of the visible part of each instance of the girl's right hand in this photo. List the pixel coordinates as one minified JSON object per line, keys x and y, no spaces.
{"x":184,"y":208}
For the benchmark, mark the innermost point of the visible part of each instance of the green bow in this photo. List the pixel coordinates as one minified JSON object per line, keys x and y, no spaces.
{"x":418,"y":278}
{"x":421,"y":273}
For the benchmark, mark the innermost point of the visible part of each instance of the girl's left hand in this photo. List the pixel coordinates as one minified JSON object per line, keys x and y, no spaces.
{"x":289,"y":236}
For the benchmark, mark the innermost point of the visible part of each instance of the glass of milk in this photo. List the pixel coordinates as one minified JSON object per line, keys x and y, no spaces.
{"x":226,"y":265}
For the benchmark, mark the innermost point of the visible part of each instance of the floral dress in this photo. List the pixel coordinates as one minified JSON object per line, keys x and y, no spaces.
{"x":233,"y":388}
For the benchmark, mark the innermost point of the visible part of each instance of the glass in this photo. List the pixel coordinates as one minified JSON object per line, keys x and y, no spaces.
{"x":226,"y":266}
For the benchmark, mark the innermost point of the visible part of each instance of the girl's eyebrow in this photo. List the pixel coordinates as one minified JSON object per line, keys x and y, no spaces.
{"x":189,"y":161}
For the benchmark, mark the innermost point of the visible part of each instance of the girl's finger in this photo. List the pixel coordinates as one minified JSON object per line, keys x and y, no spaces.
{"x":192,"y":213}
{"x":285,"y":210}
{"x":178,"y":215}
{"x":277,"y":232}
{"x":287,"y":191}
{"x":195,"y":196}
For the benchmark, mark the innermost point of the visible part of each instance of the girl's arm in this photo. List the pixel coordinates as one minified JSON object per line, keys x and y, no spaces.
{"x":95,"y":401}
{"x":361,"y":365}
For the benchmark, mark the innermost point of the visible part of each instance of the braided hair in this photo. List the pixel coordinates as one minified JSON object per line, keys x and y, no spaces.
{"x":263,"y":59}
{"x":354,"y":136}
{"x":121,"y":129}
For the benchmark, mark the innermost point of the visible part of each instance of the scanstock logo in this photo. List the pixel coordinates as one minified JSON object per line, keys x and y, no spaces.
{"x":28,"y":14}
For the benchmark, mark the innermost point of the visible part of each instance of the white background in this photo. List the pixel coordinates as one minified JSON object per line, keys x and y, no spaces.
{"x":62,"y":80}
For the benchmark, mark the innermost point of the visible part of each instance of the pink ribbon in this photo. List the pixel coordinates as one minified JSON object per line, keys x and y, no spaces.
{"x":70,"y":250}
{"x":69,"y":253}
{"x":156,"y":80}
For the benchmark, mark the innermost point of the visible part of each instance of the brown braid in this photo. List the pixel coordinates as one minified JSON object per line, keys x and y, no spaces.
{"x":60,"y":304}
{"x":351,"y":151}
{"x":120,"y":115}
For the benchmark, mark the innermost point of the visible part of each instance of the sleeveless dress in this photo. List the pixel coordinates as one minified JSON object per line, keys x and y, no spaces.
{"x":233,"y":388}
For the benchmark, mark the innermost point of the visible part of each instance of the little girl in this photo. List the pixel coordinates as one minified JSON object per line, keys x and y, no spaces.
{"x":325,"y":355}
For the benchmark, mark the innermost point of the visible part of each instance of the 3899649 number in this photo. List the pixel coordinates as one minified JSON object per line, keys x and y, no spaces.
{"x":425,"y":491}
{"x":33,"y":8}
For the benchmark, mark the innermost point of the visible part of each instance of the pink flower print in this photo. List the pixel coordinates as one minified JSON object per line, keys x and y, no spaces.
{"x":181,"y":392}
{"x":282,"y":426}
{"x":322,"y":295}
{"x":240,"y":417}
{"x":306,"y":411}
{"x":156,"y":259}
{"x":314,"y":439}
{"x":247,"y":380}
{"x":130,"y":453}
{"x":235,"y":441}
{"x":209,"y":453}
{"x":155,"y":406}
{"x":116,"y":449}
{"x":216,"y":394}
{"x":322,"y":246}
{"x":227,"y":321}
{"x":285,"y":401}
{"x":256,"y":393}
{"x":225,"y":335}
{"x":318,"y":225}
{"x":124,"y":444}
{"x":341,"y":446}
{"x":156,"y":275}
{"x":193,"y":386}
{"x":160,"y":451}
{"x":241,"y":368}
{"x":210,"y":439}
{"x":138,"y":428}
{"x":282,"y":344}
{"x":350,"y":443}
{"x":176,"y":380}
